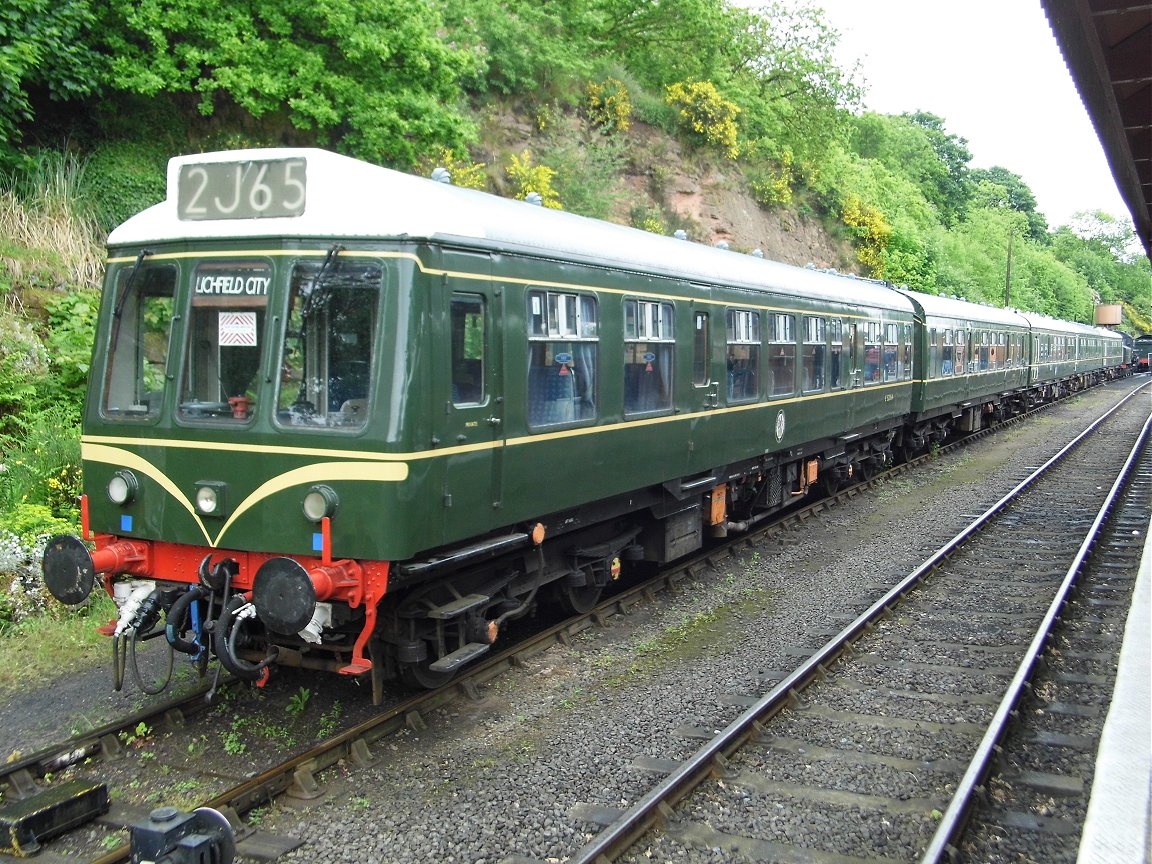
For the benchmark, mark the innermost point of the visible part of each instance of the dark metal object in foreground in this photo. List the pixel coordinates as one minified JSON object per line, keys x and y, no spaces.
{"x":49,"y":813}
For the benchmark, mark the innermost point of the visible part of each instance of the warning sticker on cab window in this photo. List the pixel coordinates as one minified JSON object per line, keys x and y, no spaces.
{"x":238,"y":329}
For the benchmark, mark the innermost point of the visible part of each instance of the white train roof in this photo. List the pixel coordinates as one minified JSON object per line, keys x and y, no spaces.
{"x":350,"y":199}
{"x":1038,"y":321}
{"x":952,"y":307}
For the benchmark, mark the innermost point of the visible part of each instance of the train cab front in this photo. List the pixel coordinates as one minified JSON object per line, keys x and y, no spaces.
{"x":250,"y":610}
{"x":232,"y":425}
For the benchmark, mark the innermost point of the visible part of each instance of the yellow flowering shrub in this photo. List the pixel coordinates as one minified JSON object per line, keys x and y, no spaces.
{"x":776,"y":187}
{"x":465,"y":173}
{"x":609,"y":106}
{"x":871,"y":229}
{"x":527,"y":178}
{"x":707,"y":114}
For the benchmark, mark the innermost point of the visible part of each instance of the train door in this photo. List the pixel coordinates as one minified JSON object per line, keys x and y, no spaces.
{"x":855,"y":337}
{"x":469,"y":375}
{"x":707,"y":363}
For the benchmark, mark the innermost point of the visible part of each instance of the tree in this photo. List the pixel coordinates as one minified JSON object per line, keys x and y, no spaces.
{"x":370,"y":77}
{"x":523,"y":46}
{"x":948,"y":185}
{"x":1013,"y":193}
{"x":794,"y":93}
{"x":664,"y":41}
{"x":44,"y":45}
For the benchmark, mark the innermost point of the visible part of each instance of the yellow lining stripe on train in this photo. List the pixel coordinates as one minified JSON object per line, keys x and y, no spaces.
{"x":536,"y":438}
{"x":317,"y":472}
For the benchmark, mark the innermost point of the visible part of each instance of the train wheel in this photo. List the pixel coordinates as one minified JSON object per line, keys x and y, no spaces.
{"x":579,"y":599}
{"x":419,"y":676}
{"x":828,"y":483}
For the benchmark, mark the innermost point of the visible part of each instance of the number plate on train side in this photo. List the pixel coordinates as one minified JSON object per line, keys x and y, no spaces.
{"x":242,"y":190}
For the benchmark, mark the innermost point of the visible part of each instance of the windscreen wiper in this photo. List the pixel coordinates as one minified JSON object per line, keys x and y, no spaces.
{"x":317,"y":295}
{"x":144,"y":253}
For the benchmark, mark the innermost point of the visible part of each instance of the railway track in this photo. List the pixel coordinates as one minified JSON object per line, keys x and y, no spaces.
{"x":898,"y":715}
{"x":299,"y":775}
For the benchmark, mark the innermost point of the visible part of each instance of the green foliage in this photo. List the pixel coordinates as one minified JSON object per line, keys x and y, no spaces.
{"x":72,"y":330}
{"x":673,"y":40}
{"x":370,"y":77}
{"x":784,"y":74}
{"x":521,"y":47}
{"x":527,"y":178}
{"x":43,"y":45}
{"x":298,"y":702}
{"x":123,"y":178}
{"x":999,"y":187}
{"x":586,"y":175}
{"x":23,"y":366}
{"x":42,"y":466}
{"x":916,"y":146}
{"x":30,"y":521}
{"x":707,"y":115}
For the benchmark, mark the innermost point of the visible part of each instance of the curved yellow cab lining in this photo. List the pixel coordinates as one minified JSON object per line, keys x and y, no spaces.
{"x":378,"y":472}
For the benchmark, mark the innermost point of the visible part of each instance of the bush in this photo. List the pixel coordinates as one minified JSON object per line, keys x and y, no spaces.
{"x":465,"y":173}
{"x":124,"y":178}
{"x":527,"y":178}
{"x":706,"y":114}
{"x":23,"y":366}
{"x":609,"y":105}
{"x":587,"y":176}
{"x":41,"y":470}
{"x":774,"y":188}
{"x":72,"y":330}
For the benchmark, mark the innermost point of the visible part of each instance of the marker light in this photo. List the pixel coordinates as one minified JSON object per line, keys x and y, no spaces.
{"x":320,"y":501}
{"x":122,"y":488}
{"x":211,"y":498}
{"x":206,"y":500}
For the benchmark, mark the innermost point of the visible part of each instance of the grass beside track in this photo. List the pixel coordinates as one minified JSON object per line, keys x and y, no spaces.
{"x":40,"y":648}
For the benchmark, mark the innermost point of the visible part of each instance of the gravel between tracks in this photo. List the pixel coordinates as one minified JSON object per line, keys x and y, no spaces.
{"x":496,"y":778}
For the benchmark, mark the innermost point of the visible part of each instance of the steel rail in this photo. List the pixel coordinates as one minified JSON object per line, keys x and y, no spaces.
{"x":956,"y":816}
{"x":614,"y":839}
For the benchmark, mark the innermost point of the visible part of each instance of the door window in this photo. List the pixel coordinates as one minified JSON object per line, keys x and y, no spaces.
{"x":466,"y":320}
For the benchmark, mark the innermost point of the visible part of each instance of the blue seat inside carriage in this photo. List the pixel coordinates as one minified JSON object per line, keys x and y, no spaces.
{"x":551,"y":395}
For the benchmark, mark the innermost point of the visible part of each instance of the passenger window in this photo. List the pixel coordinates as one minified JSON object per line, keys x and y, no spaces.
{"x":700,"y":376}
{"x":468,"y":346}
{"x":649,"y":346}
{"x":743,"y":355}
{"x":782,"y":354}
{"x":562,"y":372}
{"x":812,"y":361}
{"x":906,"y":350}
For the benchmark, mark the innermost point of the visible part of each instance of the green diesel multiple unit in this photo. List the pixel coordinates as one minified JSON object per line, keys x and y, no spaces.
{"x":359,"y":420}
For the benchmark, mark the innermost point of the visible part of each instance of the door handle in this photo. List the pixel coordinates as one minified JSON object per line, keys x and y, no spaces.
{"x":493,"y":421}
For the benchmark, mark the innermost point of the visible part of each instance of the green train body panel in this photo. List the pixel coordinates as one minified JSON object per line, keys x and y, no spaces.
{"x":329,"y":348}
